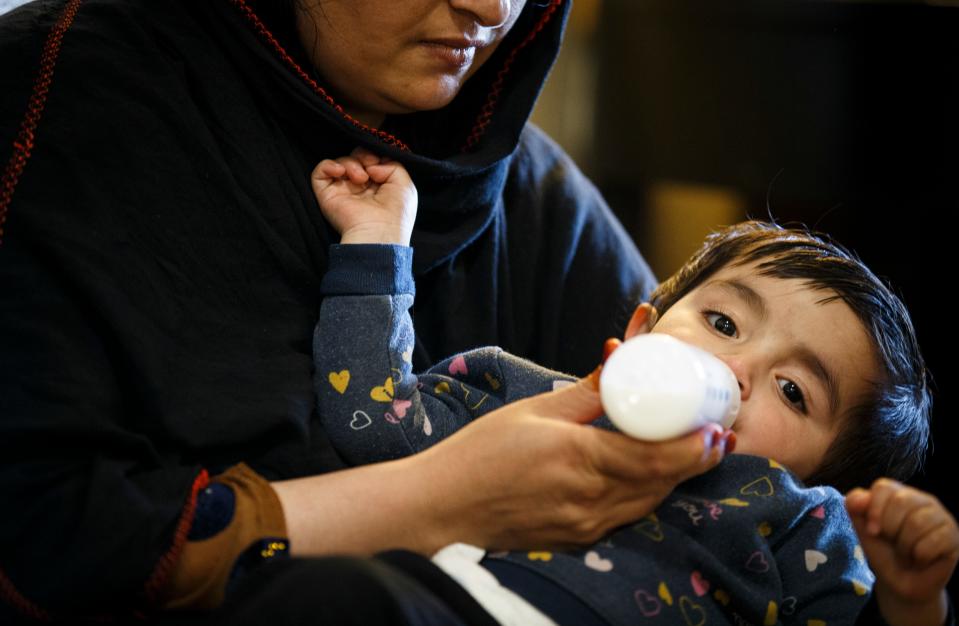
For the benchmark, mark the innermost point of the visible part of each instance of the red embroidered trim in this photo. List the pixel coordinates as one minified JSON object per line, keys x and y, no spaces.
{"x":10,"y":595}
{"x":161,"y":573}
{"x":154,"y":584}
{"x":486,"y":113}
{"x":23,"y":144}
{"x":265,"y":34}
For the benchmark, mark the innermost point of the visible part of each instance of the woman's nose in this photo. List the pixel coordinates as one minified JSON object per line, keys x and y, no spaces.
{"x":488,"y":13}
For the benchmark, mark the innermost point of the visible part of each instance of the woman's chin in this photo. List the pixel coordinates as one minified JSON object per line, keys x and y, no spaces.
{"x":429,"y":95}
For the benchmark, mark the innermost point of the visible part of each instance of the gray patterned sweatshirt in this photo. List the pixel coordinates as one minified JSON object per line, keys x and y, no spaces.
{"x":746,"y":543}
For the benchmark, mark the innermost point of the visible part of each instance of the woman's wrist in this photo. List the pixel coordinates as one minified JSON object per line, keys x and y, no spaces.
{"x":363,"y":510}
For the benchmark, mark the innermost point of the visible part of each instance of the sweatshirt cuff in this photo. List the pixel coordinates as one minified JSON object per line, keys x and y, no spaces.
{"x":240,"y":526}
{"x":369,"y":269}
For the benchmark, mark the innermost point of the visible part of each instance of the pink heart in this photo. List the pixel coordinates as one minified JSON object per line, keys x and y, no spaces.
{"x":700,"y":584}
{"x":819,"y":512}
{"x":757,"y":562}
{"x":648,"y":604}
{"x":392,"y":419}
{"x":400,"y":406}
{"x":458,"y":366}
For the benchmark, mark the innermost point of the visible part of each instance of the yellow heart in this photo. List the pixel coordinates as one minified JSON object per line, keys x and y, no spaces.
{"x":859,"y":588}
{"x":734,"y":502}
{"x":760,"y":487}
{"x":664,"y":594}
{"x":765,"y":529}
{"x":650,"y":527}
{"x":775,"y":465}
{"x":693,"y":613}
{"x":722,"y":597}
{"x":443,"y":387}
{"x":384,"y":393}
{"x":493,"y":383}
{"x":340,"y":380}
{"x":772,"y":614}
{"x":540,"y":556}
{"x":815,"y":622}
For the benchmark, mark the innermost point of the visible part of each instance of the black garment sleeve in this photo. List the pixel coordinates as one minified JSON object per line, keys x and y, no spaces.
{"x":576,"y":275}
{"x":91,"y":508}
{"x":395,"y":588}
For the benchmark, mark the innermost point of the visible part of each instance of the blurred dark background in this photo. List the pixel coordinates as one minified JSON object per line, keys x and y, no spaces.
{"x":837,"y":115}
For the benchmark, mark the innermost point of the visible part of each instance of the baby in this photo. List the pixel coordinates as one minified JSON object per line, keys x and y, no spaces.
{"x":833,"y":393}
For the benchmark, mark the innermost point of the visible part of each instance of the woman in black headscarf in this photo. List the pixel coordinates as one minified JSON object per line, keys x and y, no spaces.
{"x":160,"y":261}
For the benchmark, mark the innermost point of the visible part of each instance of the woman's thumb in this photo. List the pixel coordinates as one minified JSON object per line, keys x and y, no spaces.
{"x":575,"y":402}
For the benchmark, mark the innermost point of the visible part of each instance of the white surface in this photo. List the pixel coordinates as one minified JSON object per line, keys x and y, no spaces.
{"x":462,"y":562}
{"x":6,"y":5}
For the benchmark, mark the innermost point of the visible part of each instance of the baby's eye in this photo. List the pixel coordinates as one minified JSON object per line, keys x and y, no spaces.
{"x":793,"y":393}
{"x":722,"y":323}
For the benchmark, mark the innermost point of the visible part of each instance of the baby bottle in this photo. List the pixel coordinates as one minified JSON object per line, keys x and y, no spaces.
{"x":656,"y":387}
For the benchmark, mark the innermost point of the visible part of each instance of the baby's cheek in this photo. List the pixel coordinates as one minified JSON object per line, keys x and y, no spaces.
{"x":756,"y":434}
{"x":745,"y":444}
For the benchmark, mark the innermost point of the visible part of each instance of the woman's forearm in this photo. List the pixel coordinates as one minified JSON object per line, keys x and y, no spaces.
{"x":360,"y":511}
{"x":529,"y":474}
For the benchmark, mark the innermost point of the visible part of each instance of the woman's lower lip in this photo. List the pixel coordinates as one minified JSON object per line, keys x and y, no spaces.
{"x":456,"y":58}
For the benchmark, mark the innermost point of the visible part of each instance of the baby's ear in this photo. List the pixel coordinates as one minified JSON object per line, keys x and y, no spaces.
{"x":642,"y":321}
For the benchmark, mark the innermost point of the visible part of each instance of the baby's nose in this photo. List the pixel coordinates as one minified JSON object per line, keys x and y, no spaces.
{"x":741,"y":370}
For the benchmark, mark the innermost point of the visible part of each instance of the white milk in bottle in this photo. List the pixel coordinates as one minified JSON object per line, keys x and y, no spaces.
{"x":656,"y":387}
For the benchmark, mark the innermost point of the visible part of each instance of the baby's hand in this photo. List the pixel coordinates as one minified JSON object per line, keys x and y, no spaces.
{"x":912,"y":544}
{"x":365,"y":198}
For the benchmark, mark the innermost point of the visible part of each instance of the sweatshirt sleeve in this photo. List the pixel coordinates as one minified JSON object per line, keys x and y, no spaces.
{"x":825,"y":576}
{"x":370,"y":402}
{"x":238,"y":524}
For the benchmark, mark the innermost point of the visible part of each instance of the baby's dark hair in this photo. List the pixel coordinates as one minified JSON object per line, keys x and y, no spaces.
{"x":888,"y":434}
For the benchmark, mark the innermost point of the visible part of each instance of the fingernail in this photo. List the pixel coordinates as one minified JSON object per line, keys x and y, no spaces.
{"x":710,"y":439}
{"x":609,"y":347}
{"x":728,"y":442}
{"x":708,"y":436}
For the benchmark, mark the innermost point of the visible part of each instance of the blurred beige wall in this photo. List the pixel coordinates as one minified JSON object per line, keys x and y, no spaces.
{"x":676,"y":215}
